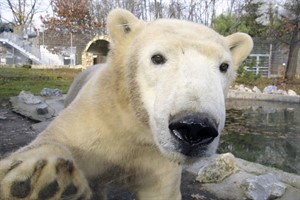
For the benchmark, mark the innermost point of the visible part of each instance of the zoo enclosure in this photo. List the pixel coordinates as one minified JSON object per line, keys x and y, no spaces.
{"x":269,"y":60}
{"x":262,"y":65}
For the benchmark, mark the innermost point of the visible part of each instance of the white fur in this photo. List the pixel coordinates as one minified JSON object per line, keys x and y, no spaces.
{"x":115,"y":128}
{"x":189,"y":80}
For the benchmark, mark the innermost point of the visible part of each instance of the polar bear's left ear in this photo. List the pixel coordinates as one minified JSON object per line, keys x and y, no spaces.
{"x":121,"y":24}
{"x":240,"y":45}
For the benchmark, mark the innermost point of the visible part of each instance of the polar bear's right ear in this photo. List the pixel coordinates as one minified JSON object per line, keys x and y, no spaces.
{"x":240,"y":45}
{"x":121,"y":24}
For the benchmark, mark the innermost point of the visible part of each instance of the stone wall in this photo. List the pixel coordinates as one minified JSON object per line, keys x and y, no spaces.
{"x":87,"y":59}
{"x":95,"y":51}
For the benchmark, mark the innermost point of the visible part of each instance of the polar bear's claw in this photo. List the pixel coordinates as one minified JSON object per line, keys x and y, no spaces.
{"x":39,"y":179}
{"x":20,"y":189}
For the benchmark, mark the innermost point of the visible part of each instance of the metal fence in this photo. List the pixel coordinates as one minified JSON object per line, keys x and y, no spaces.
{"x":22,"y":45}
{"x":26,"y":48}
{"x":260,"y":65}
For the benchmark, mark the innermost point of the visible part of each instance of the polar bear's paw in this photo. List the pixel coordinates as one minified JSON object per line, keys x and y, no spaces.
{"x":51,"y":178}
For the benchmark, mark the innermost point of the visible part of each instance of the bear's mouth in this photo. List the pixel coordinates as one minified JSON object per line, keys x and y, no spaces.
{"x":191,"y":139}
{"x":193,"y":133}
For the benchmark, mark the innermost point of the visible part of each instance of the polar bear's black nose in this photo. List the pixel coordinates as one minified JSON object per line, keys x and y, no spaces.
{"x":194,"y":129}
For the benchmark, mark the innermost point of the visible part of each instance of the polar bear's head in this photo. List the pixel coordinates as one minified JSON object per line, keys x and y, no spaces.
{"x":177,"y":73}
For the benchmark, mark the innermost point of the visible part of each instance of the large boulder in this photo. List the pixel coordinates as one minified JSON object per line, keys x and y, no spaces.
{"x":217,"y":169}
{"x":263,"y":187}
{"x":47,"y":92}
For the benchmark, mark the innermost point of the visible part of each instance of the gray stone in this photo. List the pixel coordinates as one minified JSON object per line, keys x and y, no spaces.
{"x":230,"y":187}
{"x":282,"y":92}
{"x":28,"y":98}
{"x":263,"y":187}
{"x":42,"y":109}
{"x":217,"y":169}
{"x":39,"y":127}
{"x":256,"y":168}
{"x":271,"y":89}
{"x":55,"y":106}
{"x":2,"y":115}
{"x":47,"y":92}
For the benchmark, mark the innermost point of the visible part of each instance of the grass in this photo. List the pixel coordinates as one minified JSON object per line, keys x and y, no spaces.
{"x":14,"y":80}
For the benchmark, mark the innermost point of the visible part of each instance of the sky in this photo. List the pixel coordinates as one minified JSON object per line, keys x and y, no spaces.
{"x":44,"y":8}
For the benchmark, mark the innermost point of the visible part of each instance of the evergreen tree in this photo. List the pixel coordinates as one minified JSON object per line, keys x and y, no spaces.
{"x":251,"y":19}
{"x":246,"y":21}
{"x":228,"y":24}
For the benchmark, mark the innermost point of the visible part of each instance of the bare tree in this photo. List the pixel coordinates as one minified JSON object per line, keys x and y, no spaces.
{"x":157,"y":9}
{"x":70,"y":25}
{"x":99,"y":9}
{"x":291,"y":20}
{"x":23,"y":11}
{"x":194,"y":10}
{"x":191,"y":10}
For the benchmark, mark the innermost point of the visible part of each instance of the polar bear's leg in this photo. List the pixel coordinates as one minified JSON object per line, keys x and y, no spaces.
{"x":42,"y":171}
{"x":99,"y":189}
{"x":79,"y":82}
{"x":166,"y":186}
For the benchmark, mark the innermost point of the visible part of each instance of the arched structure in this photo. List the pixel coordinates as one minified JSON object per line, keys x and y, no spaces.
{"x":95,"y":51}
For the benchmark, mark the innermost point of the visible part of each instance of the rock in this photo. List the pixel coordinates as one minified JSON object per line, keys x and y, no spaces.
{"x":256,"y":90}
{"x":241,"y":88}
{"x":290,"y":109}
{"x":47,"y":92}
{"x":39,"y":127}
{"x":2,"y":115}
{"x":42,"y":109}
{"x":282,"y":92}
{"x":46,"y":110}
{"x":248,"y":89}
{"x":231,"y":187}
{"x":271,"y":89}
{"x":263,"y":187}
{"x":291,"y":93}
{"x":28,"y":98}
{"x":217,"y":169}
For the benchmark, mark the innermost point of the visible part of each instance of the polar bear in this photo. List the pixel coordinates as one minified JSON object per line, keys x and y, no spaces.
{"x":158,"y":103}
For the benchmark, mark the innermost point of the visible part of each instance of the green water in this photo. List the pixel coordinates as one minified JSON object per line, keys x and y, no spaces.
{"x":263,"y":132}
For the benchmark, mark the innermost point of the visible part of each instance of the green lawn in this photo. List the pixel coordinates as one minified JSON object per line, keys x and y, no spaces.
{"x":14,"y":80}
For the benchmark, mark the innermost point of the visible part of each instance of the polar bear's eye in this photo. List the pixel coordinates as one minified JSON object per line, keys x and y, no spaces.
{"x":224,"y":67}
{"x":158,"y":59}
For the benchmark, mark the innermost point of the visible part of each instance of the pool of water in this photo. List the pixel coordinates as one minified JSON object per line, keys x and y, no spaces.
{"x":263,"y":132}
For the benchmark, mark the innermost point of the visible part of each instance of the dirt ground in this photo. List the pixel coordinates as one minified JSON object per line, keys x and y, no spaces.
{"x":15,"y":131}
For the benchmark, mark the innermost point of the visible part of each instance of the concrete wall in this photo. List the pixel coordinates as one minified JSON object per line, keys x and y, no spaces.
{"x":42,"y":66}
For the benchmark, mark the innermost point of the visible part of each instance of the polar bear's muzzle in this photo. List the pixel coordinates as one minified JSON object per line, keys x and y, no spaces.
{"x":193,"y":132}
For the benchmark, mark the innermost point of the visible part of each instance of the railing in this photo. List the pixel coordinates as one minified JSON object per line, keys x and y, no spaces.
{"x":258,"y":70}
{"x":22,"y":45}
{"x":26,"y":48}
{"x":261,"y":63}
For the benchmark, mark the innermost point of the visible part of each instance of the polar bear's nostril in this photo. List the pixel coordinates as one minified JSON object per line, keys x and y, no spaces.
{"x":197,"y":129}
